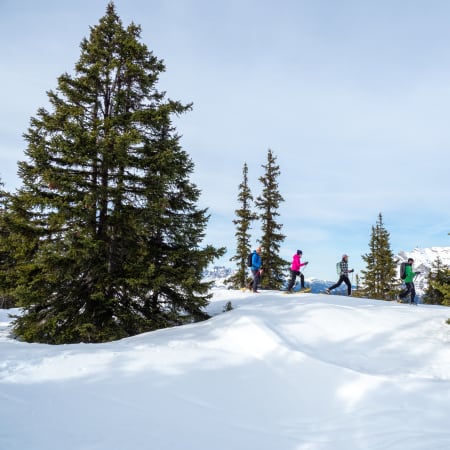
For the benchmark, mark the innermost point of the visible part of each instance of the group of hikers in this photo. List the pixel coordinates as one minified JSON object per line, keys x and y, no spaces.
{"x":295,"y":271}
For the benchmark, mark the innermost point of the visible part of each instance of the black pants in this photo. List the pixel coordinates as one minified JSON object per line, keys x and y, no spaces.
{"x":294,"y":274}
{"x":253,"y":285}
{"x":343,"y":279}
{"x":410,"y":289}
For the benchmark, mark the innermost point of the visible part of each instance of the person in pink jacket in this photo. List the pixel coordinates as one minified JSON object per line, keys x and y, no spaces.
{"x":295,"y":271}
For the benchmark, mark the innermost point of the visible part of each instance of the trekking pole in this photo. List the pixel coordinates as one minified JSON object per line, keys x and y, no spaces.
{"x":302,"y":271}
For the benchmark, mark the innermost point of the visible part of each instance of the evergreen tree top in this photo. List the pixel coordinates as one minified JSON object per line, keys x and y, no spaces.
{"x":106,"y":232}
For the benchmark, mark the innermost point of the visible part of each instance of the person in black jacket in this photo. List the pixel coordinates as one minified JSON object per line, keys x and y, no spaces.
{"x":343,"y":278}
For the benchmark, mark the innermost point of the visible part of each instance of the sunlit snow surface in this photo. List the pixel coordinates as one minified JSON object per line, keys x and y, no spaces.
{"x":278,"y":372}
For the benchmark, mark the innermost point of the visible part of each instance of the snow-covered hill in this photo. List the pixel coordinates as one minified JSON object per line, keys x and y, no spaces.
{"x":277,"y":372}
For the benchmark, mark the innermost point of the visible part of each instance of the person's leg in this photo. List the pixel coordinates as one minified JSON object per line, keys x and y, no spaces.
{"x":349,"y":285}
{"x":292,"y":280}
{"x":302,"y":281}
{"x":337,"y":284}
{"x":256,"y":280}
{"x":405,"y":291}
{"x":413,"y":293}
{"x":253,"y":282}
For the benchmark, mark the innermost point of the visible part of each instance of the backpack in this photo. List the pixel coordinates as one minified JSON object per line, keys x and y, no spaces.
{"x":338,"y":268}
{"x":249,"y":260}
{"x":403,"y":270}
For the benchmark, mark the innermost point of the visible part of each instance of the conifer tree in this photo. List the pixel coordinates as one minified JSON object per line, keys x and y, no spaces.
{"x":245,"y":217}
{"x":438,"y":285}
{"x":379,"y":278}
{"x":7,"y":273}
{"x":107,"y":209}
{"x":443,"y":286}
{"x":272,"y":238}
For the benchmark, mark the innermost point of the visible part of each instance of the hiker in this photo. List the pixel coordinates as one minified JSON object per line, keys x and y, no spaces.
{"x":256,"y":269}
{"x":343,"y":277}
{"x":409,"y":283}
{"x":295,"y":271}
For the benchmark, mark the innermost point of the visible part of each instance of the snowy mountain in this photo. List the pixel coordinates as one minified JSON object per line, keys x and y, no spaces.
{"x":217,"y":273}
{"x":423,"y":261}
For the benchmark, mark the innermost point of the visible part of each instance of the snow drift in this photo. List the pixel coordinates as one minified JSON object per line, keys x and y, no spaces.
{"x":305,"y":371}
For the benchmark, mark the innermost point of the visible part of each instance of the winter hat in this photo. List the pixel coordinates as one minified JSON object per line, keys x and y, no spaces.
{"x":299,"y":252}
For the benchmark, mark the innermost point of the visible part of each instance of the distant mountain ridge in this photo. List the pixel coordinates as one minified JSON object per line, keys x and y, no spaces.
{"x":217,"y":273}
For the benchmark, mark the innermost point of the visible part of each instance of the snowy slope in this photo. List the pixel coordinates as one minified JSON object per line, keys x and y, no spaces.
{"x":278,"y":372}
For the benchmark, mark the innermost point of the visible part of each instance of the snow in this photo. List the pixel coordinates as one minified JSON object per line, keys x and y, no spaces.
{"x":278,"y":372}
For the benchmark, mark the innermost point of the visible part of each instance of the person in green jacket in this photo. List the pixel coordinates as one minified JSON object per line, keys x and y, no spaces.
{"x":409,"y":283}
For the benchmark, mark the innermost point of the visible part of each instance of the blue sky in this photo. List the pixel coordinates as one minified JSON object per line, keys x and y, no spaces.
{"x":353,"y":98}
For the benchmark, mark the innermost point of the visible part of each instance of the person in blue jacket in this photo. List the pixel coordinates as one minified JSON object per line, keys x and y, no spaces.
{"x":256,"y":269}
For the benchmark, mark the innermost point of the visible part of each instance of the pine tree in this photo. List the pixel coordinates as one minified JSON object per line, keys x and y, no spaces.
{"x":438,"y":285}
{"x":245,"y":217}
{"x":443,"y":286}
{"x":268,"y":203}
{"x":379,"y":278}
{"x":357,"y":291}
{"x":106,"y":208}
{"x":7,"y":273}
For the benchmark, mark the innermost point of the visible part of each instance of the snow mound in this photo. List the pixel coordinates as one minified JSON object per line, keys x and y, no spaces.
{"x":303,"y":371}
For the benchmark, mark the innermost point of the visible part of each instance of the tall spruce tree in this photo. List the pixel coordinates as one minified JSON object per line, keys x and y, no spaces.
{"x":443,"y":286}
{"x":379,"y":278}
{"x":438,"y":284}
{"x":107,"y":208}
{"x":272,"y":238}
{"x":7,"y":273}
{"x":245,"y":217}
